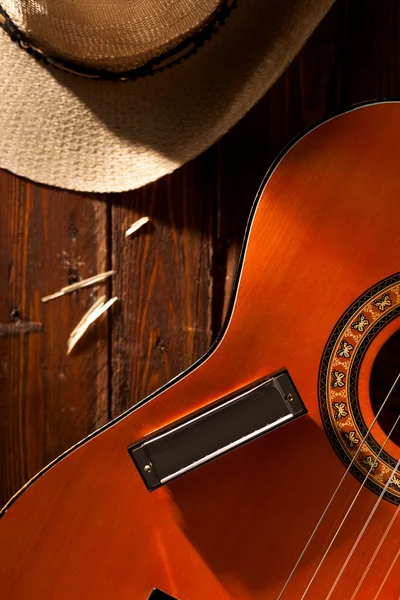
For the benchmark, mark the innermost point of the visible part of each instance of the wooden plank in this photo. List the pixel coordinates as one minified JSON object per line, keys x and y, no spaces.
{"x":48,"y":401}
{"x":163,"y":279}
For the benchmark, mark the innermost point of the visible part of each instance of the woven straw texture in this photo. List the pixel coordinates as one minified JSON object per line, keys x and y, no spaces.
{"x":110,"y":34}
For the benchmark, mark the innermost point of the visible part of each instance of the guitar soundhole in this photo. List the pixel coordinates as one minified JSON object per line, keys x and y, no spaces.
{"x":363,"y":450}
{"x":384,"y":372}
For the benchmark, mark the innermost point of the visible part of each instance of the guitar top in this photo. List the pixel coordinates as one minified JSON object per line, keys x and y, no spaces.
{"x":271,"y":468}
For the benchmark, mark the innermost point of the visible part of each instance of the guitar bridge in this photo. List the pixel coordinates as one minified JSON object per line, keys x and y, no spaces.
{"x":218,"y":428}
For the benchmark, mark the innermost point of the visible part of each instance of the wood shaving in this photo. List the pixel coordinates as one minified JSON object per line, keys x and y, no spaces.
{"x":94,"y":312}
{"x":78,"y":285}
{"x":136,"y":225}
{"x":99,"y":302}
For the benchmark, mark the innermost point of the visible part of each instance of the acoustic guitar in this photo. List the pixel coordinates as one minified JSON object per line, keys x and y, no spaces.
{"x":270,"y":468}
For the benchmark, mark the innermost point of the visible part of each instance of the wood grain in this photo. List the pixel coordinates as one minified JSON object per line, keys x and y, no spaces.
{"x":164,"y":279}
{"x":48,"y":239}
{"x":173,"y":279}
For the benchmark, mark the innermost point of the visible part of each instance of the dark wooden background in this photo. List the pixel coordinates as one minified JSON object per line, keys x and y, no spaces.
{"x":175,"y":277}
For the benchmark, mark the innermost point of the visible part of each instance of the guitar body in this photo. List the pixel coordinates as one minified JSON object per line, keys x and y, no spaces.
{"x":318,"y":294}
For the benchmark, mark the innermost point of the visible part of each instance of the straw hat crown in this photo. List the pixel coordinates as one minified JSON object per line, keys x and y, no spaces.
{"x":117,"y":35}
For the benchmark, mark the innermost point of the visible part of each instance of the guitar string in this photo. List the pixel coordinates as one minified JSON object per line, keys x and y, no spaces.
{"x":379,"y":546}
{"x":337,"y":490}
{"x":347,"y":513}
{"x":363,"y":530}
{"x":387,"y":575}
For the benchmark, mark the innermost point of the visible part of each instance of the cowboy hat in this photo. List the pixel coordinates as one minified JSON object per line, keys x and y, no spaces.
{"x":109,"y":95}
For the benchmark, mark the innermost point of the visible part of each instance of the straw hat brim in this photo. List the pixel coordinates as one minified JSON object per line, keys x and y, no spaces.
{"x":100,"y":136}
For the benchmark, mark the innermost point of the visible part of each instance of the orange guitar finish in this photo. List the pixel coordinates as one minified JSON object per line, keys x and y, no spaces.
{"x":325,"y":228}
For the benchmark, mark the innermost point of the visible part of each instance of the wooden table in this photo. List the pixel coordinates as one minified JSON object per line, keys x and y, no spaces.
{"x":174,"y":278}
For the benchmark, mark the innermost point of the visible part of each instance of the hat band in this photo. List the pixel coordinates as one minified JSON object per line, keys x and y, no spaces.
{"x":167,"y":59}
